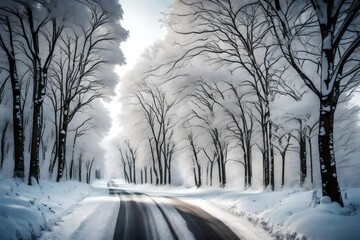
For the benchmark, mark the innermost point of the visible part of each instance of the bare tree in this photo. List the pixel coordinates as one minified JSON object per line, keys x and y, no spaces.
{"x":128,"y":157}
{"x":132,"y":157}
{"x":203,"y":116}
{"x":158,"y":112}
{"x":210,"y":166}
{"x":301,"y":138}
{"x":195,"y":158}
{"x":7,"y":45}
{"x":33,"y":31}
{"x":241,"y":124}
{"x":233,"y":34}
{"x":3,"y":144}
{"x":80,"y":130}
{"x":124,"y":163}
{"x":283,"y":143}
{"x":309,"y":137}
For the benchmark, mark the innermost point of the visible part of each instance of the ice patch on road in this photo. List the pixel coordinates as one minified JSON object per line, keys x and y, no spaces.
{"x":177,"y":221}
{"x":155,"y":216}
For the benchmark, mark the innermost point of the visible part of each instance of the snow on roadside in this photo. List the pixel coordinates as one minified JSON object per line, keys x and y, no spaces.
{"x":294,"y":213}
{"x":93,"y":218}
{"x":27,"y":210}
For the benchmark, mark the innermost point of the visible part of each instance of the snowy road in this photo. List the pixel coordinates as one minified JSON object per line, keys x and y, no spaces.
{"x":131,"y":212}
{"x":144,"y":217}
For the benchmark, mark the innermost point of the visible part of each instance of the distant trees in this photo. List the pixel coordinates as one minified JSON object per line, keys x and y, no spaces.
{"x":61,"y":54}
{"x":128,"y":157}
{"x":203,"y":115}
{"x":241,"y":124}
{"x":195,"y":151}
{"x":157,"y":110}
{"x":283,"y":138}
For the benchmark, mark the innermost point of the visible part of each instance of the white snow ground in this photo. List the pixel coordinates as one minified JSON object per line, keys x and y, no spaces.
{"x":93,"y":218}
{"x":72,"y":210}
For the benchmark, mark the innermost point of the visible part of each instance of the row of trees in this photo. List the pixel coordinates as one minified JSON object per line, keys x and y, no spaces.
{"x":235,"y":67}
{"x":55,"y":53}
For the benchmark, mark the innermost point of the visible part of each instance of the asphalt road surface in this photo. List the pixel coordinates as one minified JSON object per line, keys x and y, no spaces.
{"x":152,"y":217}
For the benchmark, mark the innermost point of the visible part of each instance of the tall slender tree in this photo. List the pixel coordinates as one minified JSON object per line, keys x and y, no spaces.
{"x":7,"y":45}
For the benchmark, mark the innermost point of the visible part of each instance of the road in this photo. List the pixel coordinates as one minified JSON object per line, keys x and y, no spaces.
{"x":152,"y":217}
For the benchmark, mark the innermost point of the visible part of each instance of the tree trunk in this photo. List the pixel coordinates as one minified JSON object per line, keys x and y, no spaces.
{"x":311,"y":161}
{"x":245,"y":170}
{"x":330,"y":185}
{"x":73,"y":157}
{"x":3,"y":144}
{"x":88,"y":171}
{"x":195,"y":177}
{"x":269,"y":147}
{"x":272,"y":169}
{"x":151,"y":175}
{"x":283,"y":154}
{"x":146,"y":174}
{"x":125,"y":173}
{"x":62,"y":145}
{"x":134,"y":170}
{"x":265,"y":156}
{"x":248,"y":163}
{"x":211,"y":173}
{"x":165,"y":167}
{"x":130,"y":172}
{"x":40,"y":78}
{"x":223,"y":171}
{"x":80,"y":166}
{"x":169,"y":169}
{"x":17,"y":114}
{"x":35,"y":143}
{"x":54,"y":157}
{"x":18,"y":131}
{"x":141,"y":176}
{"x":303,"y":167}
{"x":153,"y":163}
{"x":161,"y":175}
{"x":199,"y":175}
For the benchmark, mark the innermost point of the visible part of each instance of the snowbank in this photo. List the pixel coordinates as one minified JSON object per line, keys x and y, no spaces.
{"x":26,"y":210}
{"x":296,"y":213}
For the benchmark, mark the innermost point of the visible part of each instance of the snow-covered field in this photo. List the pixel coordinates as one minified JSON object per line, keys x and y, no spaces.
{"x":70,"y":210}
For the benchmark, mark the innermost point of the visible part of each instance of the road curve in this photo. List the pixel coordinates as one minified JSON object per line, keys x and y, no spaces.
{"x":144,"y":217}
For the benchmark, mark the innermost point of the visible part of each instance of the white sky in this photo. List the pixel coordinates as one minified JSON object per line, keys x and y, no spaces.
{"x":141,"y":18}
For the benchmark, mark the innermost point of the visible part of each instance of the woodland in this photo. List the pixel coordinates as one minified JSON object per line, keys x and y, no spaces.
{"x":252,"y":93}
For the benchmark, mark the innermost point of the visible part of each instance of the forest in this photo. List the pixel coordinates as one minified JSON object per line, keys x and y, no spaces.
{"x":251,"y":93}
{"x":56,"y":68}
